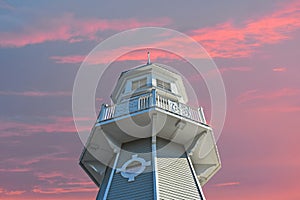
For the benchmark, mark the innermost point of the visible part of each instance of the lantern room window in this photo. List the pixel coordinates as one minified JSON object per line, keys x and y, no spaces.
{"x":163,"y":85}
{"x":141,"y":83}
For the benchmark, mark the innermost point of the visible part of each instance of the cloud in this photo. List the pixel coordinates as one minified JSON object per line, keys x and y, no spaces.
{"x":60,"y":183}
{"x":279,"y":108}
{"x":69,"y":180}
{"x":60,"y":190}
{"x":224,"y":40}
{"x":222,"y":70}
{"x":227,"y":184}
{"x":254,"y":95}
{"x":54,"y":124}
{"x":4,"y":5}
{"x":68,"y":59}
{"x":11,"y":192}
{"x":29,"y":163}
{"x":279,"y":69}
{"x":108,"y":56}
{"x":227,"y":40}
{"x":15,"y":170}
{"x":35,"y":93}
{"x":70,"y":29}
{"x":284,"y":100}
{"x":237,"y":69}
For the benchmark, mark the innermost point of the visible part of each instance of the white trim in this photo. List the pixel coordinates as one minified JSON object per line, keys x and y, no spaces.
{"x":155,"y":169}
{"x":195,"y":177}
{"x":111,"y":176}
{"x":202,"y":116}
{"x":132,"y":174}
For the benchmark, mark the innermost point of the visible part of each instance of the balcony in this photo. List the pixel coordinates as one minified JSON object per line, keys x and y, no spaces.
{"x":149,"y":101}
{"x":184,"y":125}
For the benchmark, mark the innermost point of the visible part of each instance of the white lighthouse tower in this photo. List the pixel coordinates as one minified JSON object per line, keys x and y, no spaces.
{"x":150,"y":144}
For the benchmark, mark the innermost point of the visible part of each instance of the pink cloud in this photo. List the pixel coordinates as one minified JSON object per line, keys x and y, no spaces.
{"x":14,"y":170}
{"x":223,"y":40}
{"x":68,"y":28}
{"x":60,"y":183}
{"x":59,"y":190}
{"x":68,"y":59}
{"x":56,"y":177}
{"x":257,"y":192}
{"x":278,"y":108}
{"x":53,"y":125}
{"x":108,"y":56}
{"x":9,"y":128}
{"x":252,"y":95}
{"x":11,"y":192}
{"x":279,"y":69}
{"x":238,"y":69}
{"x":222,"y":71}
{"x":27,"y":163}
{"x":227,"y":184}
{"x":49,"y":175}
{"x":227,"y":40}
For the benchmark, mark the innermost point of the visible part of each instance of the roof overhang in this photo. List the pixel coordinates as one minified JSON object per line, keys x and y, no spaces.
{"x":107,"y":137}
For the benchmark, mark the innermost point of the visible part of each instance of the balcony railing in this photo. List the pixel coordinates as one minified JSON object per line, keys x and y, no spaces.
{"x":147,"y":101}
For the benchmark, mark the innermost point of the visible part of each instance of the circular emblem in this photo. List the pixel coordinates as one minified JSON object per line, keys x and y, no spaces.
{"x":174,"y":107}
{"x":133,"y":167}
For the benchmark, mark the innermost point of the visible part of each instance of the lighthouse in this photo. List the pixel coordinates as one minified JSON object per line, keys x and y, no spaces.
{"x":150,"y":144}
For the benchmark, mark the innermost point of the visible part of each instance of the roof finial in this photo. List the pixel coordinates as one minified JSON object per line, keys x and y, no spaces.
{"x":149,"y":62}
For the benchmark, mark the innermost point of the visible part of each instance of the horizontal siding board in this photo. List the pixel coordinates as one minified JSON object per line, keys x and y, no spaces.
{"x":142,"y":186}
{"x":175,"y":178}
{"x":104,"y":183}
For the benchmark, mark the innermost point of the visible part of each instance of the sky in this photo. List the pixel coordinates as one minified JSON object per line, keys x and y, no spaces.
{"x":254,"y":43}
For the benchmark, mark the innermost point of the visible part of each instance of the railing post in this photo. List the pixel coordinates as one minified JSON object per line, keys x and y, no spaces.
{"x":201,"y":115}
{"x":102,"y":112}
{"x":111,"y":112}
{"x":139,"y":103}
{"x":153,"y":99}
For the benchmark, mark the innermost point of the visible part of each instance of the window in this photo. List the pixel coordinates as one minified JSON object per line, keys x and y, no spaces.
{"x":141,"y":83}
{"x":163,"y":85}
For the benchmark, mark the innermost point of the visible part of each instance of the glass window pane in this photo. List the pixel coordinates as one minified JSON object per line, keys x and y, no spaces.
{"x":167,"y":86}
{"x":139,"y":84}
{"x":163,"y":85}
{"x":143,"y":82}
{"x":135,"y":85}
{"x":159,"y":83}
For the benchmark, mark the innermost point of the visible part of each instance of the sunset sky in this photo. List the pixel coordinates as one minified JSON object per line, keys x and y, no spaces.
{"x":254,"y":43}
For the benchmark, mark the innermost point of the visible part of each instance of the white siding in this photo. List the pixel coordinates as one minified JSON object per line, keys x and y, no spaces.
{"x":175,"y":178}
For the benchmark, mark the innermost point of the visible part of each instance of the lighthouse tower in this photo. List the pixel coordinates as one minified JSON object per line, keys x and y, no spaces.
{"x":150,"y":144}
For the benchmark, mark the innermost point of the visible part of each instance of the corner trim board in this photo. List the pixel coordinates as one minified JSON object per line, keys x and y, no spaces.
{"x":111,"y":176}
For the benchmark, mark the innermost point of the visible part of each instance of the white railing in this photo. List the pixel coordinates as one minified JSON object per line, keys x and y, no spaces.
{"x":147,"y":101}
{"x":144,"y":102}
{"x":162,"y":102}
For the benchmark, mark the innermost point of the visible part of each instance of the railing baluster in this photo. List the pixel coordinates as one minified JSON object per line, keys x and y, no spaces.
{"x":143,"y":102}
{"x":147,"y":101}
{"x":102,"y":113}
{"x":112,"y":112}
{"x":201,"y":115}
{"x":108,"y":113}
{"x":105,"y":114}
